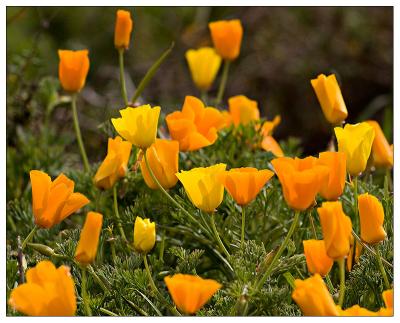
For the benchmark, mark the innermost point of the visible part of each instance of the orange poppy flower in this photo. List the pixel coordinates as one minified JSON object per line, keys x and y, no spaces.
{"x":73,"y":69}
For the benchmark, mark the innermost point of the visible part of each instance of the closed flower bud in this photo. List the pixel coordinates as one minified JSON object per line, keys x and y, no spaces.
{"x":382,"y":153}
{"x":41,"y":248}
{"x":243,"y":184}
{"x":138,"y":125}
{"x":73,"y":69}
{"x":163,"y":158}
{"x":123,"y":29}
{"x":47,"y":292}
{"x":270,"y":144}
{"x":227,"y":37}
{"x":371,"y":219}
{"x":115,"y":165}
{"x":318,"y":262}
{"x":313,"y":298}
{"x":204,"y":64}
{"x":53,"y":201}
{"x":243,"y":110}
{"x":330,"y":98}
{"x":190,"y":293}
{"x":333,"y":187}
{"x":336,"y":229}
{"x":356,"y":142}
{"x":86,"y":251}
{"x":203,"y":187}
{"x":301,"y":179}
{"x":144,"y":235}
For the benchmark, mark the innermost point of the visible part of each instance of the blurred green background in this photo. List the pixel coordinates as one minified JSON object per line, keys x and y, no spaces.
{"x":282,"y":49}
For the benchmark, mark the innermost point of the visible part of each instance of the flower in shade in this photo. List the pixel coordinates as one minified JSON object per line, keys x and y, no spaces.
{"x":382,"y":152}
{"x":73,"y":69}
{"x":203,"y":187}
{"x":227,"y":37}
{"x":318,"y":262}
{"x":313,"y":298}
{"x":190,"y":293}
{"x":86,"y":251}
{"x":243,"y":184}
{"x":163,"y":158}
{"x":270,"y":144}
{"x":123,"y":29}
{"x":356,"y":142}
{"x":53,"y":201}
{"x":301,"y":180}
{"x":204,"y":64}
{"x":330,"y":98}
{"x":336,"y":229}
{"x":269,"y":126}
{"x":195,"y":126}
{"x":371,"y":219}
{"x":144,"y":235}
{"x":115,"y":165}
{"x":48,"y":291}
{"x":138,"y":125}
{"x":243,"y":110}
{"x":333,"y":187}
{"x":356,"y":249}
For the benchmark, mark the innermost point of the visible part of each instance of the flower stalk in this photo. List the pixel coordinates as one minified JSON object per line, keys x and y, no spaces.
{"x":29,"y":237}
{"x":122,"y":75}
{"x":222,"y":84}
{"x":381,"y":268}
{"x":220,"y":243}
{"x":116,"y":213}
{"x":342,"y":289}
{"x":84,"y":292}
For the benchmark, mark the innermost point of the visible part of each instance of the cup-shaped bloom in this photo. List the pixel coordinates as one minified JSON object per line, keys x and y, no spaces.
{"x":86,"y":251}
{"x":123,"y":29}
{"x":356,"y":142}
{"x":203,"y":186}
{"x":73,"y":69}
{"x":115,"y":165}
{"x":313,"y":298}
{"x":144,"y":235}
{"x":318,"y":262}
{"x":163,"y":158}
{"x":330,"y":98}
{"x":227,"y":37}
{"x":53,"y":201}
{"x":333,"y":187}
{"x":270,"y":144}
{"x":243,"y":184}
{"x":301,"y":180}
{"x":190,"y":293}
{"x":336,"y":229}
{"x":243,"y":110}
{"x":204,"y":64}
{"x":48,"y":291}
{"x":382,"y":153}
{"x":371,"y":219}
{"x":196,"y":126}
{"x":138,"y":125}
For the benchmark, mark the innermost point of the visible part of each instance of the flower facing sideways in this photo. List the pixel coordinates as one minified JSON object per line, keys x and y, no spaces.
{"x":382,"y":152}
{"x":318,"y":262}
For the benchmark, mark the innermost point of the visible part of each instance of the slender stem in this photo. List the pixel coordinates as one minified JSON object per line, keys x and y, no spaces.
{"x":383,"y":272}
{"x":389,"y":179}
{"x":355,"y":183}
{"x":84,"y":293}
{"x":280,"y":251}
{"x":29,"y":237}
{"x":122,"y":75}
{"x":221,"y":245}
{"x":222,"y":84}
{"x":312,"y":224}
{"x":116,"y":213}
{"x":203,"y":96}
{"x":329,"y":283}
{"x":342,"y":281}
{"x":106,"y":311}
{"x":162,"y":246}
{"x":78,"y":133}
{"x":290,"y":279}
{"x":243,"y":226}
{"x":98,"y":279}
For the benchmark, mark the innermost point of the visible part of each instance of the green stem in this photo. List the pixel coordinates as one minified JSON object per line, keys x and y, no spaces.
{"x":78,"y":133}
{"x":221,"y":245}
{"x":243,"y":226}
{"x":290,"y":279}
{"x":162,"y":246}
{"x":107,"y":312}
{"x":355,"y":184}
{"x":329,"y":283}
{"x":122,"y":75}
{"x":312,"y":224}
{"x":84,"y":293}
{"x":222,"y":84}
{"x":116,"y":213}
{"x":203,"y":96}
{"x":29,"y":237}
{"x":342,"y":289}
{"x":383,"y":272}
{"x":279,"y":252}
{"x":389,"y":179}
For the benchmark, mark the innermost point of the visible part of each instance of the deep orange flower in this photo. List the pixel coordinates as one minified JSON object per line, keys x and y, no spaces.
{"x":269,"y":126}
{"x":356,"y":310}
{"x":318,"y":262}
{"x":53,"y":201}
{"x":123,"y":29}
{"x":227,"y":37}
{"x":227,"y":118}
{"x":387,"y":296}
{"x":195,"y":126}
{"x":382,"y":152}
{"x":354,"y":254}
{"x":270,"y":144}
{"x":73,"y":69}
{"x":190,"y":293}
{"x":333,"y":187}
{"x":243,"y":110}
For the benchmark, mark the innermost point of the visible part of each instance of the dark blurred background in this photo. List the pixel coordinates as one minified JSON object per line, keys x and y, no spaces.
{"x":282,"y":49}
